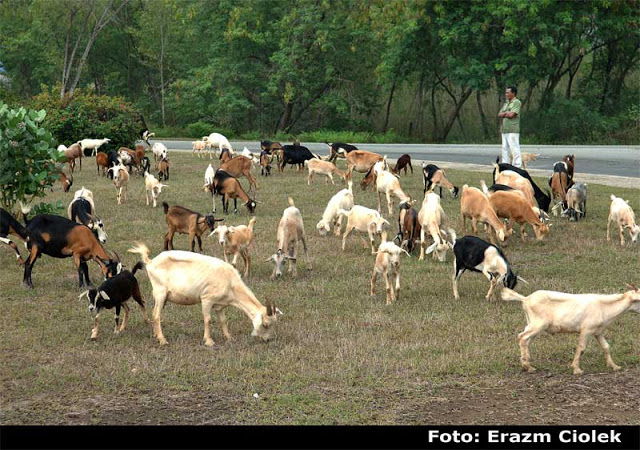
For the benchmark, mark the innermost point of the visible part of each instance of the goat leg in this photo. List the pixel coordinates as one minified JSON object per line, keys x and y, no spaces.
{"x":94,"y":331}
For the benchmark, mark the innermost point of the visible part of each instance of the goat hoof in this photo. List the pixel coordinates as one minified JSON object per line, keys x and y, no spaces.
{"x":209,"y":343}
{"x":615,"y":367}
{"x":163,"y":342}
{"x":94,"y":337}
{"x":578,"y":371}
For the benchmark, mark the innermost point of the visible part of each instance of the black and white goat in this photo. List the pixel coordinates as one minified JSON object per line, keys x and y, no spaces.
{"x":113,"y":293}
{"x":9,"y":225}
{"x":82,"y":210}
{"x":477,"y":255}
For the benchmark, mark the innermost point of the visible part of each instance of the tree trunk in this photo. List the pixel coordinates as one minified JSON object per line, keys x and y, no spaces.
{"x":454,"y":114}
{"x":419,"y":115}
{"x":305,"y":107}
{"x":434,"y":116}
{"x":483,"y":118}
{"x":162,"y":48}
{"x":286,"y":116}
{"x":386,"y":119}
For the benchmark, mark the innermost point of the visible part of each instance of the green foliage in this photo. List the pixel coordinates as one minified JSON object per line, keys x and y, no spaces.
{"x":88,"y":115}
{"x":28,"y":156}
{"x":48,"y":208}
{"x":199,"y":129}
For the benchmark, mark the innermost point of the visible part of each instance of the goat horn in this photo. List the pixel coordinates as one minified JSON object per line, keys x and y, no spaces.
{"x":117,"y":256}
{"x":83,"y":294}
{"x":631,"y":286}
{"x":522,"y":279}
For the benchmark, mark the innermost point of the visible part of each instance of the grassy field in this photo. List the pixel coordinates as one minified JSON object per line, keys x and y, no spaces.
{"x":340,"y":356}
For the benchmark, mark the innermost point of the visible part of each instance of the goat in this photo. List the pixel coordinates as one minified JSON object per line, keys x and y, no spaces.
{"x":621,"y":212}
{"x":585,"y":314}
{"x":163,"y":169}
{"x":432,"y":221}
{"x":93,"y":144}
{"x":9,"y":225}
{"x":228,"y":187}
{"x":339,"y":149}
{"x":200,"y":147}
{"x":290,"y":232}
{"x":544,"y":200}
{"x":387,"y":264}
{"x":514,"y":207}
{"x":145,"y":135}
{"x":516,"y":181}
{"x":361,"y":161}
{"x":402,"y":163}
{"x":218,"y":141}
{"x":476,"y":255}
{"x":323,"y":168}
{"x":102,"y":161}
{"x":82,"y":210}
{"x":112,"y":160}
{"x":433,"y":176}
{"x":73,"y":152}
{"x":475,"y":206}
{"x":152,"y":186}
{"x":236,"y":241}
{"x":265,"y":163}
{"x":65,"y":181}
{"x":60,"y":237}
{"x":342,"y":200}
{"x":526,"y":158}
{"x":188,"y":278}
{"x":272,"y":148}
{"x":295,"y":154}
{"x":159,"y":151}
{"x":364,"y":220}
{"x":238,"y":167}
{"x":388,"y":183}
{"x":121,"y":181}
{"x":408,"y":227}
{"x":576,"y":202}
{"x":113,"y":293}
{"x":184,"y":221}
{"x":526,"y":192}
{"x":560,"y":182}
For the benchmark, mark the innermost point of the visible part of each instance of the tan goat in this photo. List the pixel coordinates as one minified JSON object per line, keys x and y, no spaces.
{"x":585,"y":314}
{"x":621,"y":213}
{"x":388,"y":265}
{"x":152,"y":186}
{"x":388,"y":183}
{"x":526,"y":158}
{"x":237,"y":241}
{"x":185,"y":221}
{"x":432,"y":221}
{"x":121,"y":181}
{"x":290,"y":232}
{"x":513,"y":206}
{"x":475,"y":206}
{"x":323,"y":168}
{"x":364,"y":220}
{"x":361,"y":160}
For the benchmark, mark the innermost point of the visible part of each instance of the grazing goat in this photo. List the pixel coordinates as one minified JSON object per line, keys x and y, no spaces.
{"x":475,"y":206}
{"x":225,"y":155}
{"x":265,"y":163}
{"x":514,"y":206}
{"x":185,"y":221}
{"x":295,"y":154}
{"x":82,"y":210}
{"x":544,"y":200}
{"x":93,"y":144}
{"x":433,"y":176}
{"x":339,"y":149}
{"x":238,"y":167}
{"x":272,"y":148}
{"x":621,"y":212}
{"x":560,"y":182}
{"x":408,"y":227}
{"x":145,"y":135}
{"x":585,"y":314}
{"x":113,"y":293}
{"x":60,"y":237}
{"x":152,"y":187}
{"x":402,"y":163}
{"x":71,"y":154}
{"x":432,"y":221}
{"x":576,"y":202}
{"x":361,"y":161}
{"x":236,"y":241}
{"x":200,"y":147}
{"x":228,"y":187}
{"x":218,"y":141}
{"x":388,"y":265}
{"x":388,"y":183}
{"x":323,"y":168}
{"x":526,"y":158}
{"x":121,"y":181}
{"x":342,"y":200}
{"x":159,"y":151}
{"x":188,"y":278}
{"x":163,"y":169}
{"x":476,"y":255}
{"x":290,"y":232}
{"x":102,"y":162}
{"x":65,"y":181}
{"x":9,"y":225}
{"x":364,"y":220}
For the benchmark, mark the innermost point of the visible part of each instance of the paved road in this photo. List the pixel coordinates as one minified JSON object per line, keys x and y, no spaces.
{"x":623,"y":161}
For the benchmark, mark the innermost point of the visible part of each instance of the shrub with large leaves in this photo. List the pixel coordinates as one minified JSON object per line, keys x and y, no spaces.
{"x":27,"y":156}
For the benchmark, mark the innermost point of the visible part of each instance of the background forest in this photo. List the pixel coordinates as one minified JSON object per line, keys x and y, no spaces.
{"x":365,"y":70}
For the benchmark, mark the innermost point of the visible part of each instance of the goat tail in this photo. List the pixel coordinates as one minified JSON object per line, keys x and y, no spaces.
{"x":252,"y":222}
{"x":143,"y":251}
{"x":165,"y":205}
{"x":509,"y":295}
{"x":613,"y":197}
{"x":483,"y":185}
{"x":139,"y":265}
{"x":290,"y":201}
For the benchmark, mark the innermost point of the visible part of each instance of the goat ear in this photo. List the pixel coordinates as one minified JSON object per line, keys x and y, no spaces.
{"x":83,"y":294}
{"x":279,"y":312}
{"x":270,"y":309}
{"x":271,"y":258}
{"x":104,"y":295}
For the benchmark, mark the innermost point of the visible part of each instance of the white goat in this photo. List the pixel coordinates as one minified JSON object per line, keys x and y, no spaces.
{"x":585,"y":314}
{"x":323,"y":168}
{"x":432,"y":220}
{"x":218,"y":141}
{"x":236,"y":241}
{"x":187,"y":278}
{"x":159,"y":151}
{"x":388,"y":183}
{"x":120,"y":180}
{"x":153,"y":187}
{"x":621,"y":212}
{"x":388,"y":265}
{"x":93,"y":144}
{"x":342,"y":200}
{"x":364,"y":220}
{"x":290,"y":232}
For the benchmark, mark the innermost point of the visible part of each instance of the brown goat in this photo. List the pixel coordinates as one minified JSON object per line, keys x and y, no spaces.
{"x":225,"y":155}
{"x":102,"y":161}
{"x":515,"y":207}
{"x":163,"y":169}
{"x":571,"y":162}
{"x":408,"y":227}
{"x":185,"y":221}
{"x":228,"y":187}
{"x":265,"y":163}
{"x":475,"y":206}
{"x":361,"y":160}
{"x":240,"y":166}
{"x":402,"y":163}
{"x":71,"y":154}
{"x":65,"y":181}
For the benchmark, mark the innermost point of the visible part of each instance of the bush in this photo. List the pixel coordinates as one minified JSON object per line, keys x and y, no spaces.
{"x":199,"y":129}
{"x":88,"y":115}
{"x":28,"y":156}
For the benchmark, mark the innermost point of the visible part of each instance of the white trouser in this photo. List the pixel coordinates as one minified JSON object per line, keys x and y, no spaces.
{"x":511,"y":141}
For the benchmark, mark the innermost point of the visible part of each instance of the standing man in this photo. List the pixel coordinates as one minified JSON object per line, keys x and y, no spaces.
{"x":510,"y":115}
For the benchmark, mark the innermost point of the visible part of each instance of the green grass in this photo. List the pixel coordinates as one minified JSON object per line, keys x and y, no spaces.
{"x":339,"y":357}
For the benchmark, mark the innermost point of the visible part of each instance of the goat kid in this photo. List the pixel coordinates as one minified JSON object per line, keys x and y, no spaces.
{"x":237,"y":241}
{"x":185,"y":221}
{"x":576,"y":202}
{"x":364,"y":220}
{"x":342,"y":200}
{"x":152,"y":187}
{"x":387,"y":264}
{"x":621,"y":213}
{"x":323,"y":168}
{"x":290,"y":232}
{"x":120,"y":181}
{"x":433,"y":176}
{"x":432,"y":221}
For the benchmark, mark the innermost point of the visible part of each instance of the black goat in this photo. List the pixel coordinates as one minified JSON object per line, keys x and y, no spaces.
{"x":9,"y":225}
{"x":81,"y":211}
{"x":339,"y":149}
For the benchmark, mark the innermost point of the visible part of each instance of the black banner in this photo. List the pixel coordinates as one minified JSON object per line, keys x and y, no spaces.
{"x":315,"y":437}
